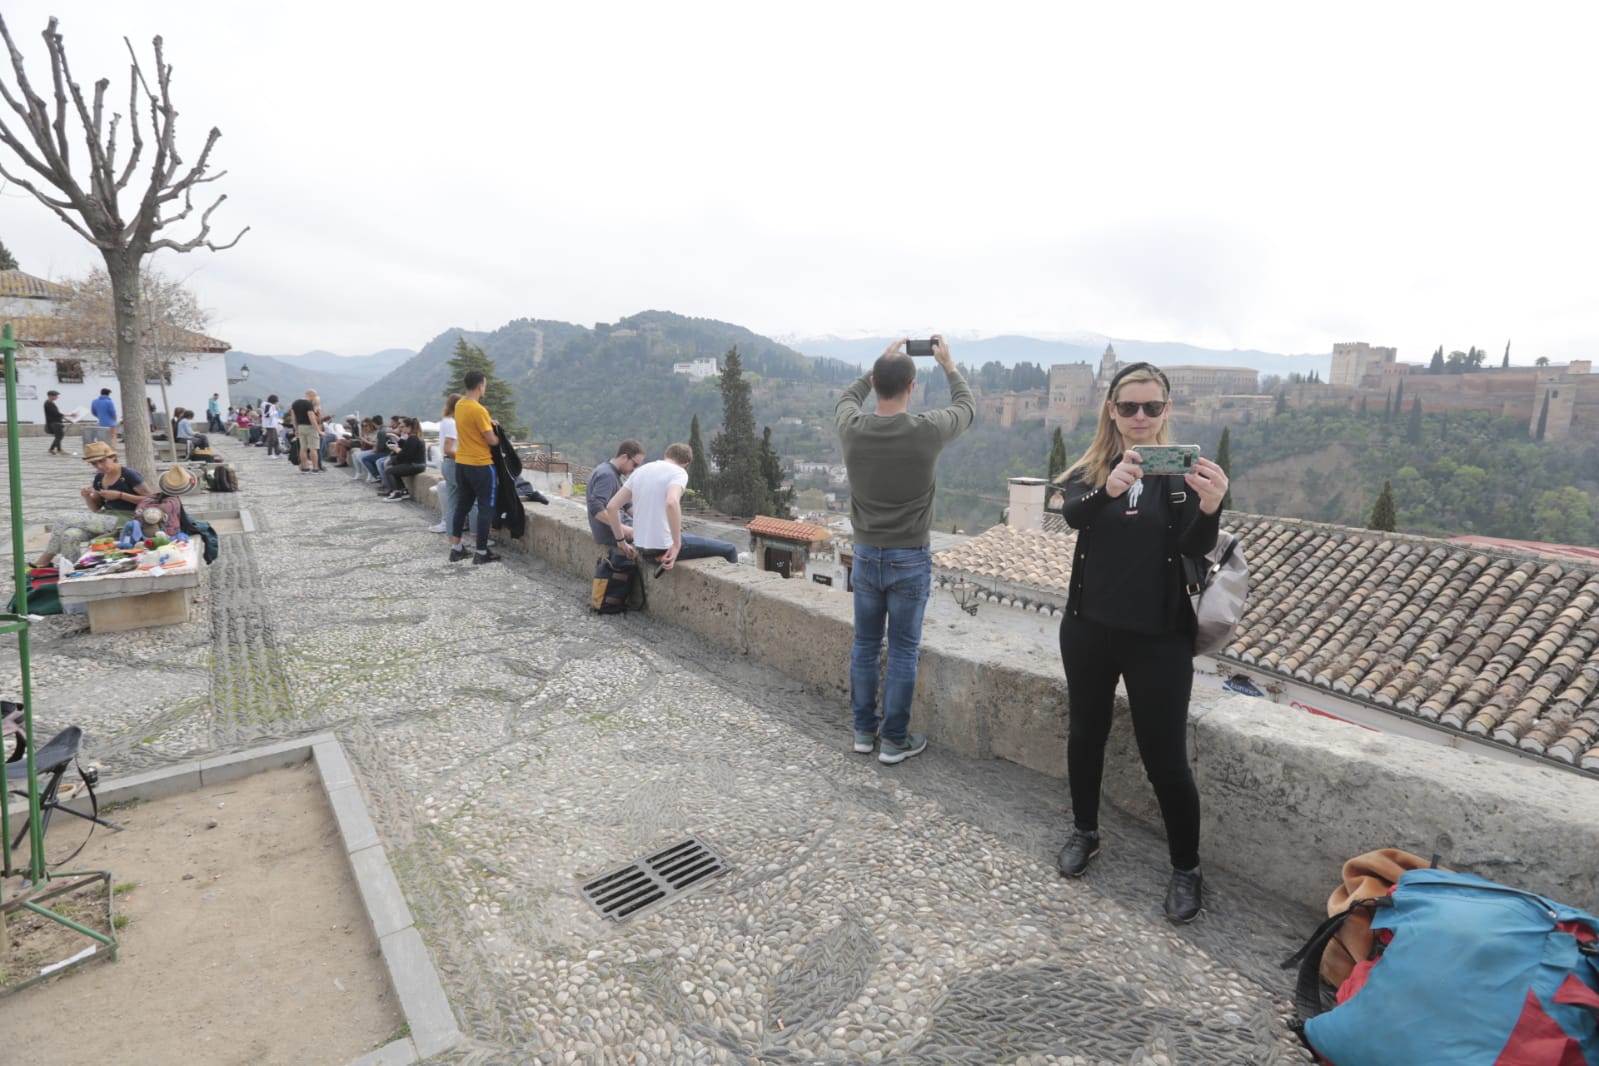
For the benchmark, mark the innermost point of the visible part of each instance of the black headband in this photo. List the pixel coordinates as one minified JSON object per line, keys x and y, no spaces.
{"x":1129,"y":368}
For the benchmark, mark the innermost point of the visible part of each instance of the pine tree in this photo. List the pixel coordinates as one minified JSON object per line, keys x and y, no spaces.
{"x":497,"y":395}
{"x":699,"y":471}
{"x":1382,"y":515}
{"x":1057,"y":454}
{"x":1413,"y":432}
{"x":7,"y":260}
{"x":739,"y":487}
{"x":1543,"y":418}
{"x":1437,"y":364}
{"x":1224,"y":459}
{"x":781,"y":499}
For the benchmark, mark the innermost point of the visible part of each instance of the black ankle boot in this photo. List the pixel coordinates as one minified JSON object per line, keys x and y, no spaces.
{"x":1080,"y":849}
{"x":1185,"y":896}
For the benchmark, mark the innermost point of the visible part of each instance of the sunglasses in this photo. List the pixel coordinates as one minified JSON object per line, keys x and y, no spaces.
{"x":1152,"y":408}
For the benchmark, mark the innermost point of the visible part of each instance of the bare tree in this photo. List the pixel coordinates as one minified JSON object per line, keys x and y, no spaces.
{"x":41,"y":139}
{"x":171,"y":326}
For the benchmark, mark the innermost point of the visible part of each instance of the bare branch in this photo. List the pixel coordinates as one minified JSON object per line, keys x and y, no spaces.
{"x":199,"y":240}
{"x":60,"y":207}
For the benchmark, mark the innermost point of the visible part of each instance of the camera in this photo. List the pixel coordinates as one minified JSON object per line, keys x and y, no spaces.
{"x":919,"y":349}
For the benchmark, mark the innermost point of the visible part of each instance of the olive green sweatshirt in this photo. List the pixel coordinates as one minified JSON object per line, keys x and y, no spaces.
{"x":891,"y":461}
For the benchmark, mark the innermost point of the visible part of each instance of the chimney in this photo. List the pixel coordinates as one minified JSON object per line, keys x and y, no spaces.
{"x":1026,"y":503}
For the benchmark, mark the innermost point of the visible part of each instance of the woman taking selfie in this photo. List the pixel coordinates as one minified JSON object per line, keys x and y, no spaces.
{"x":1128,"y":617}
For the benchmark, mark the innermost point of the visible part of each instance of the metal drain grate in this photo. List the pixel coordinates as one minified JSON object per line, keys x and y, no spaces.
{"x":624,"y":892}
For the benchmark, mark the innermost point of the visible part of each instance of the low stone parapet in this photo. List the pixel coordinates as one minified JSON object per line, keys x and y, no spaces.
{"x":1287,"y":797}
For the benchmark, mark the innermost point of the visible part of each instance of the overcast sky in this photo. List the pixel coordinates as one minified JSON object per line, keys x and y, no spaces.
{"x":1274,"y":176}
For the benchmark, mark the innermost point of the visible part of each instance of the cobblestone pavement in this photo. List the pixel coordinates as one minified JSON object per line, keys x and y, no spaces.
{"x":511,"y":744}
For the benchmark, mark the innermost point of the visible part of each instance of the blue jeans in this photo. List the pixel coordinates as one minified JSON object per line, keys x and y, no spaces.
{"x":474,"y":485}
{"x":447,"y":496}
{"x":706,"y":547}
{"x":891,"y":587}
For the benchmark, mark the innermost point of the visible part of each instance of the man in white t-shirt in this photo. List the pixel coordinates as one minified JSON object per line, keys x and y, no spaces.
{"x":656,"y":492}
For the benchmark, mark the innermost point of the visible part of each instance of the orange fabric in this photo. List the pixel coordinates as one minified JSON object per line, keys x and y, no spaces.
{"x":471,"y":422}
{"x":1373,"y":874}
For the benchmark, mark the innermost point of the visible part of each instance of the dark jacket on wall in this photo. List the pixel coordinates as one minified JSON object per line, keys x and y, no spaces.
{"x":509,"y":514}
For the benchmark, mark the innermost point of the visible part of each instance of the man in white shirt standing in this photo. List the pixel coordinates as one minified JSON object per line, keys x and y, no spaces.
{"x":656,"y":492}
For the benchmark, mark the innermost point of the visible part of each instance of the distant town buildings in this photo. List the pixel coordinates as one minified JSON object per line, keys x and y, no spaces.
{"x":698,"y":369}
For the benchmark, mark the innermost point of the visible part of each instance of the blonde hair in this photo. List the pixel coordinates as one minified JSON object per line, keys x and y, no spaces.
{"x":1107,"y":447}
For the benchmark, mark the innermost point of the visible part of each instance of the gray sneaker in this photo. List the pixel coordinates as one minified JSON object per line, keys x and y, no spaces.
{"x":892,"y":753}
{"x":865,"y":742}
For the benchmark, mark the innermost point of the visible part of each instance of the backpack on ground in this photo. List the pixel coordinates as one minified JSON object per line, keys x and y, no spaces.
{"x":1462,"y":971}
{"x":222,"y":479}
{"x":1217,"y":586}
{"x":618,"y":585}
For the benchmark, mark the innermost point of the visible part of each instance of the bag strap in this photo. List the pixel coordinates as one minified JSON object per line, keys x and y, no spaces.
{"x":1307,"y":989}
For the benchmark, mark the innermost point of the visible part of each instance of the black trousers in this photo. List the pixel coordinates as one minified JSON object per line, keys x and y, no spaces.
{"x":1159,"y":673}
{"x":56,"y":430}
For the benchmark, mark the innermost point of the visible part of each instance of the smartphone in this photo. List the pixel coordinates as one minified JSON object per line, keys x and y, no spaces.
{"x":919,"y":349}
{"x":1167,"y":458}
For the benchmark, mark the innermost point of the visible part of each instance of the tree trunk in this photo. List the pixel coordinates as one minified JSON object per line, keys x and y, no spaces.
{"x":136,"y":447}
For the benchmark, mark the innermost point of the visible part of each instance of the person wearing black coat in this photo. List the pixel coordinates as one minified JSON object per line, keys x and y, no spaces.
{"x":407,"y":458}
{"x":1127,"y":619}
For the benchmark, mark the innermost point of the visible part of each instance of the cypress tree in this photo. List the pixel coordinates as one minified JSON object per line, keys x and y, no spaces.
{"x":739,"y":487}
{"x":1506,"y":364}
{"x":1382,"y":515}
{"x":1057,"y":454}
{"x":1224,"y":459}
{"x":1282,"y":404}
{"x":1399,"y":397}
{"x":1543,"y":418}
{"x":772,"y":474}
{"x":1437,"y":364}
{"x":699,"y":471}
{"x":1413,"y":432}
{"x":1362,"y":404}
{"x":497,"y":395}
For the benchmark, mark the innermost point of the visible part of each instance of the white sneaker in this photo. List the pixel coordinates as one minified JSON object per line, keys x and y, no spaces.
{"x":440,"y":528}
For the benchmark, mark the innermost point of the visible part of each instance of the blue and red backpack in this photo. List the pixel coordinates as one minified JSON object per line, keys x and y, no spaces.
{"x":1463,"y":971}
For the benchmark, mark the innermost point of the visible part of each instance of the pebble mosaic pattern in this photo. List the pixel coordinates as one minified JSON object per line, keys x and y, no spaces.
{"x":511,"y":745}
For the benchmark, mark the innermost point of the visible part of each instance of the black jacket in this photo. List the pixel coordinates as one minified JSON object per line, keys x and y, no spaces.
{"x":1189,"y":531}
{"x":509,"y":514}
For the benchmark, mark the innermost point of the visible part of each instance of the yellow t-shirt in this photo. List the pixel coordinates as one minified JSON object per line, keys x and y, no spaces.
{"x":471,"y":422}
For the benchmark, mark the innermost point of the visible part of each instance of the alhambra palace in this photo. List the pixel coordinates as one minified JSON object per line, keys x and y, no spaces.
{"x":1230,"y":395}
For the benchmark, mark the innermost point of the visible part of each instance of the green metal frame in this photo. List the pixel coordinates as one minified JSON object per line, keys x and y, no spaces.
{"x":39,"y":878}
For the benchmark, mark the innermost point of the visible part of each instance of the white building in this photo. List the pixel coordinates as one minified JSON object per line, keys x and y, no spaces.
{"x":46,"y":362}
{"x":699,"y":369}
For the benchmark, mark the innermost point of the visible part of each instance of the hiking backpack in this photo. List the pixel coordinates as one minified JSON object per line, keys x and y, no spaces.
{"x":618,"y":585}
{"x":1463,"y":971}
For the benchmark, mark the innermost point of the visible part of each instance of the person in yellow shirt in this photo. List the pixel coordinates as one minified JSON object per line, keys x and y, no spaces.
{"x":474,"y":469}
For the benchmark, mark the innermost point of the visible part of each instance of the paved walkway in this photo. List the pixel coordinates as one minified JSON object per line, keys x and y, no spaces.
{"x":512,"y":744}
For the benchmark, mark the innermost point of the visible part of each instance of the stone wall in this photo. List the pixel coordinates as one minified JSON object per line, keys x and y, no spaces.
{"x":1287,"y":797}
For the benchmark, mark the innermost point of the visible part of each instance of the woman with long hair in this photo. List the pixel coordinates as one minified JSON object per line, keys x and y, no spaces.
{"x":408,"y":457}
{"x":1129,"y":618}
{"x":447,"y":441}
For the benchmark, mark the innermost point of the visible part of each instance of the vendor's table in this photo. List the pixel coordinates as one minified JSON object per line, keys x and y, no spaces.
{"x":138,"y":598}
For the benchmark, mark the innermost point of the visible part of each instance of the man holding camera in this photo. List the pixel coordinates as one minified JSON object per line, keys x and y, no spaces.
{"x":891,"y":456}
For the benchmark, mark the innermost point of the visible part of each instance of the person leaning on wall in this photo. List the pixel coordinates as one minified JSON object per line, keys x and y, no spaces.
{"x":1127,"y":617}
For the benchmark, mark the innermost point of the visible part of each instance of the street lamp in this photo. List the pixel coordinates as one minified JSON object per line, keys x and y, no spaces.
{"x":244,"y":374}
{"x":966,"y":595}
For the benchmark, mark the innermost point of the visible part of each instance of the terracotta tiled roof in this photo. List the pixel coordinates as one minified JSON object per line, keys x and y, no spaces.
{"x":1033,"y":557}
{"x":15,"y":284}
{"x":47,"y":331}
{"x":803,"y":532}
{"x":1495,"y":643}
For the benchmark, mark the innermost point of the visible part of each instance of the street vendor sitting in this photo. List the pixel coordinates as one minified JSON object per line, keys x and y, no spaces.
{"x":116,"y":490}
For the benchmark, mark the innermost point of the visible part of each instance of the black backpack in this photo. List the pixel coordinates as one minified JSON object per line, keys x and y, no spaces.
{"x":222,"y":479}
{"x":618,"y":585}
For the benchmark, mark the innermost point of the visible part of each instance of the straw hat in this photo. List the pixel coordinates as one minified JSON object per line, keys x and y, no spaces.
{"x":177,"y":482}
{"x":98,"y":450}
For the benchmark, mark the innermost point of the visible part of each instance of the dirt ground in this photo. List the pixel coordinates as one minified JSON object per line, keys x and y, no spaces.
{"x":243,"y":939}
